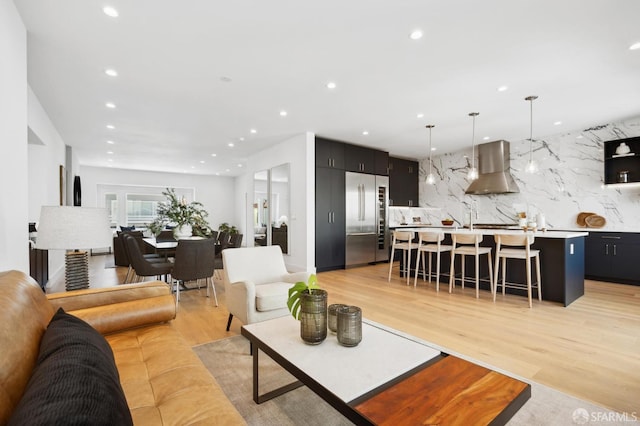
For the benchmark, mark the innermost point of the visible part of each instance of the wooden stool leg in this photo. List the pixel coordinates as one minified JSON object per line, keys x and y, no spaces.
{"x":451,"y":271}
{"x":391,"y":262}
{"x":415,"y":279}
{"x":477,"y":276}
{"x":462,"y":262}
{"x":430,"y":265}
{"x":538,"y":277}
{"x":504,"y":273}
{"x":528,"y":269}
{"x":437,"y":272}
{"x":490,"y":269}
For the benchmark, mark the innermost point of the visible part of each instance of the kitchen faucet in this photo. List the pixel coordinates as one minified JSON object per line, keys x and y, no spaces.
{"x":471,"y":209}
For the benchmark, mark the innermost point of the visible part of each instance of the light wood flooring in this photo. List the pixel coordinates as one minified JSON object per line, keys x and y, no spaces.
{"x":590,"y":349}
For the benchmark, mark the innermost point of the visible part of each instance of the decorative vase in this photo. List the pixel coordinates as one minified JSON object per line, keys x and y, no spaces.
{"x":349,"y":325}
{"x":333,"y":316}
{"x":313,"y":316}
{"x":182,"y":231}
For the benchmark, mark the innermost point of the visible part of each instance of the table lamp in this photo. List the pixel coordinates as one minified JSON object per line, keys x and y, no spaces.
{"x":74,"y":228}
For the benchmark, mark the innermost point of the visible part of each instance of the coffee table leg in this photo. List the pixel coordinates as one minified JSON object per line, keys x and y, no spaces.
{"x":259,"y":399}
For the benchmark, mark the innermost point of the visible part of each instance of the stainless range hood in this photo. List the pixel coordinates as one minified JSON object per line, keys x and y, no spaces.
{"x":493,"y":170}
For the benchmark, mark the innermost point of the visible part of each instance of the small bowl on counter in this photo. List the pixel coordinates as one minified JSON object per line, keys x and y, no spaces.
{"x":447,"y":222}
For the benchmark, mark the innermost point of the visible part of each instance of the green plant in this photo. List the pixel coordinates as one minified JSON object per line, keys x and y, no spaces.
{"x":178,"y":212}
{"x":295,"y":292}
{"x":224,"y":227}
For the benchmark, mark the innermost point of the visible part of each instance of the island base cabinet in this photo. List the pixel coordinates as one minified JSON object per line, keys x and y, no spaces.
{"x":613,"y":257}
{"x":562,"y":264}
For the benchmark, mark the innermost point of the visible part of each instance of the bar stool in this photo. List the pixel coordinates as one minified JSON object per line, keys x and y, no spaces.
{"x":469,"y":245}
{"x":402,"y":241}
{"x":430,"y":238}
{"x":525,"y":253}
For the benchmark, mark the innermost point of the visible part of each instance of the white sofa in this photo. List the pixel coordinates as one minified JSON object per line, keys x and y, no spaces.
{"x":256,"y":283}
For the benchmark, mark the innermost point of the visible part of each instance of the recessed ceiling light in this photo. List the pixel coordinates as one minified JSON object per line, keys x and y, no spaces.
{"x":415,"y":35}
{"x":217,"y":173}
{"x":433,"y":148}
{"x":486,"y":138}
{"x":110,"y":105}
{"x":239,"y":165}
{"x":283,"y":113}
{"x":365,"y":132}
{"x":110,"y":11}
{"x":331,"y":85}
{"x":230,"y":144}
{"x":502,"y":88}
{"x":253,"y":131}
{"x":201,"y":161}
{"x":579,"y":137}
{"x":111,"y":72}
{"x":214,"y":155}
{"x":635,"y":46}
{"x":241,"y":139}
{"x":109,"y":152}
{"x":110,"y":159}
{"x":227,"y":170}
{"x":110,"y":142}
{"x":557,"y":123}
{"x":420,"y":115}
{"x":110,"y":126}
{"x":193,"y":167}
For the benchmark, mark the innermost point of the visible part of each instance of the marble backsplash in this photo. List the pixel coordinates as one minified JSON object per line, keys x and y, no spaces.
{"x":569,"y":181}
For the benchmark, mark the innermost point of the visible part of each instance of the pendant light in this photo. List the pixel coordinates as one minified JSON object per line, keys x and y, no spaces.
{"x":531,"y":167}
{"x":431,"y":179}
{"x":473,"y":172}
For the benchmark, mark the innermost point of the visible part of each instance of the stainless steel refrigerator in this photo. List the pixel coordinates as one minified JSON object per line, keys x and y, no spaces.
{"x":367,"y":199}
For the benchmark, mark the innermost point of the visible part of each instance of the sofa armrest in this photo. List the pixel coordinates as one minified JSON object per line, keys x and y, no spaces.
{"x":118,"y":308}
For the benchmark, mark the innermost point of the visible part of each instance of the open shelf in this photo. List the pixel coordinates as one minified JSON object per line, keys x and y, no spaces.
{"x":616,"y":164}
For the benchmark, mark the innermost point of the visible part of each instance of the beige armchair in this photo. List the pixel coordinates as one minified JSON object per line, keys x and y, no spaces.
{"x":256,"y":283}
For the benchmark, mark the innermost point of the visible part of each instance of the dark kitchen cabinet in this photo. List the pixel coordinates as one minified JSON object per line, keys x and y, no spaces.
{"x":359,"y":159}
{"x":330,"y":219}
{"x":403,"y":182}
{"x":329,"y":153}
{"x":381,"y":163}
{"x":613,"y":256}
{"x":622,"y":167}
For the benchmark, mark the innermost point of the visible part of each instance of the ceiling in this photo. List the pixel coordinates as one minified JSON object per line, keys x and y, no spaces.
{"x":196,"y":75}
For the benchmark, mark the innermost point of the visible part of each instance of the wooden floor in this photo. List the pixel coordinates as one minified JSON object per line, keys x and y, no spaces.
{"x":590,"y":349}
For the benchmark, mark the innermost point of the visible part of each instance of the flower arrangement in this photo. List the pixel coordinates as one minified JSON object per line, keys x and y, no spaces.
{"x":178,"y":212}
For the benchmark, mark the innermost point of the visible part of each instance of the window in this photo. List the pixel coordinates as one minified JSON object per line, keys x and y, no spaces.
{"x":111,"y":203}
{"x":142,"y":208}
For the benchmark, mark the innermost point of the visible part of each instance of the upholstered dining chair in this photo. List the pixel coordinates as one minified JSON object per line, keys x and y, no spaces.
{"x":194,"y":261}
{"x":146,"y":267}
{"x":150,"y":257}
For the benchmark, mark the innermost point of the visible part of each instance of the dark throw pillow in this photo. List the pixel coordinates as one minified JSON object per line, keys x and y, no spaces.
{"x":75,"y":381}
{"x":128,"y":228}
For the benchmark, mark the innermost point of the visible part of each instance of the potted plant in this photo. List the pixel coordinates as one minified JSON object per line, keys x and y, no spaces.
{"x":188,"y":218}
{"x":307,"y":303}
{"x":229,"y":229}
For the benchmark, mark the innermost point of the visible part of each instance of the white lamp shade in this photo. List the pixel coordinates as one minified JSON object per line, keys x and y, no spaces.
{"x":71,"y":228}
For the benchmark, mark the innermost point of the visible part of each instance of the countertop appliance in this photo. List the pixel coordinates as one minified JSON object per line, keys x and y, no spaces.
{"x":367,"y":226}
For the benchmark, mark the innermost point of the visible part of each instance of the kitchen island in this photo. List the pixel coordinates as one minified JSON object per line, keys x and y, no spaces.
{"x":561,"y":260}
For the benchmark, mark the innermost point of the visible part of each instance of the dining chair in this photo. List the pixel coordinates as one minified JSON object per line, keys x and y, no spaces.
{"x":151,"y":257}
{"x":517,"y":247}
{"x":468,"y":244}
{"x":143,"y":267}
{"x":430,"y":242}
{"x":194,"y":261}
{"x":402,"y":241}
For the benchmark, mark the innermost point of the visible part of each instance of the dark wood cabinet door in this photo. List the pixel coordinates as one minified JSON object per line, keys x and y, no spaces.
{"x":624,"y":261}
{"x":330,"y":219}
{"x":403,"y":182}
{"x":359,"y":159}
{"x":613,"y":257}
{"x":329,"y":153}
{"x":381,"y":166}
{"x":596,"y":259}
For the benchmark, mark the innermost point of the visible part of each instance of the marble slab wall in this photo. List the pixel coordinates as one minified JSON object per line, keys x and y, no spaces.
{"x":569,"y":181}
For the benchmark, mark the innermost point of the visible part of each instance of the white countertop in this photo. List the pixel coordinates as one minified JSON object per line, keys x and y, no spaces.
{"x":540,"y":234}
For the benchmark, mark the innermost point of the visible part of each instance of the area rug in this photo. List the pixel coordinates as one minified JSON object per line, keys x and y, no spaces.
{"x":230,"y":363}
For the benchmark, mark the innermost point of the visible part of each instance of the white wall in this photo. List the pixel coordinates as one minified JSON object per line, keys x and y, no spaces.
{"x":14,"y":208}
{"x":299,"y":152}
{"x":570,"y":181}
{"x":214,"y":192}
{"x":45,"y":158}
